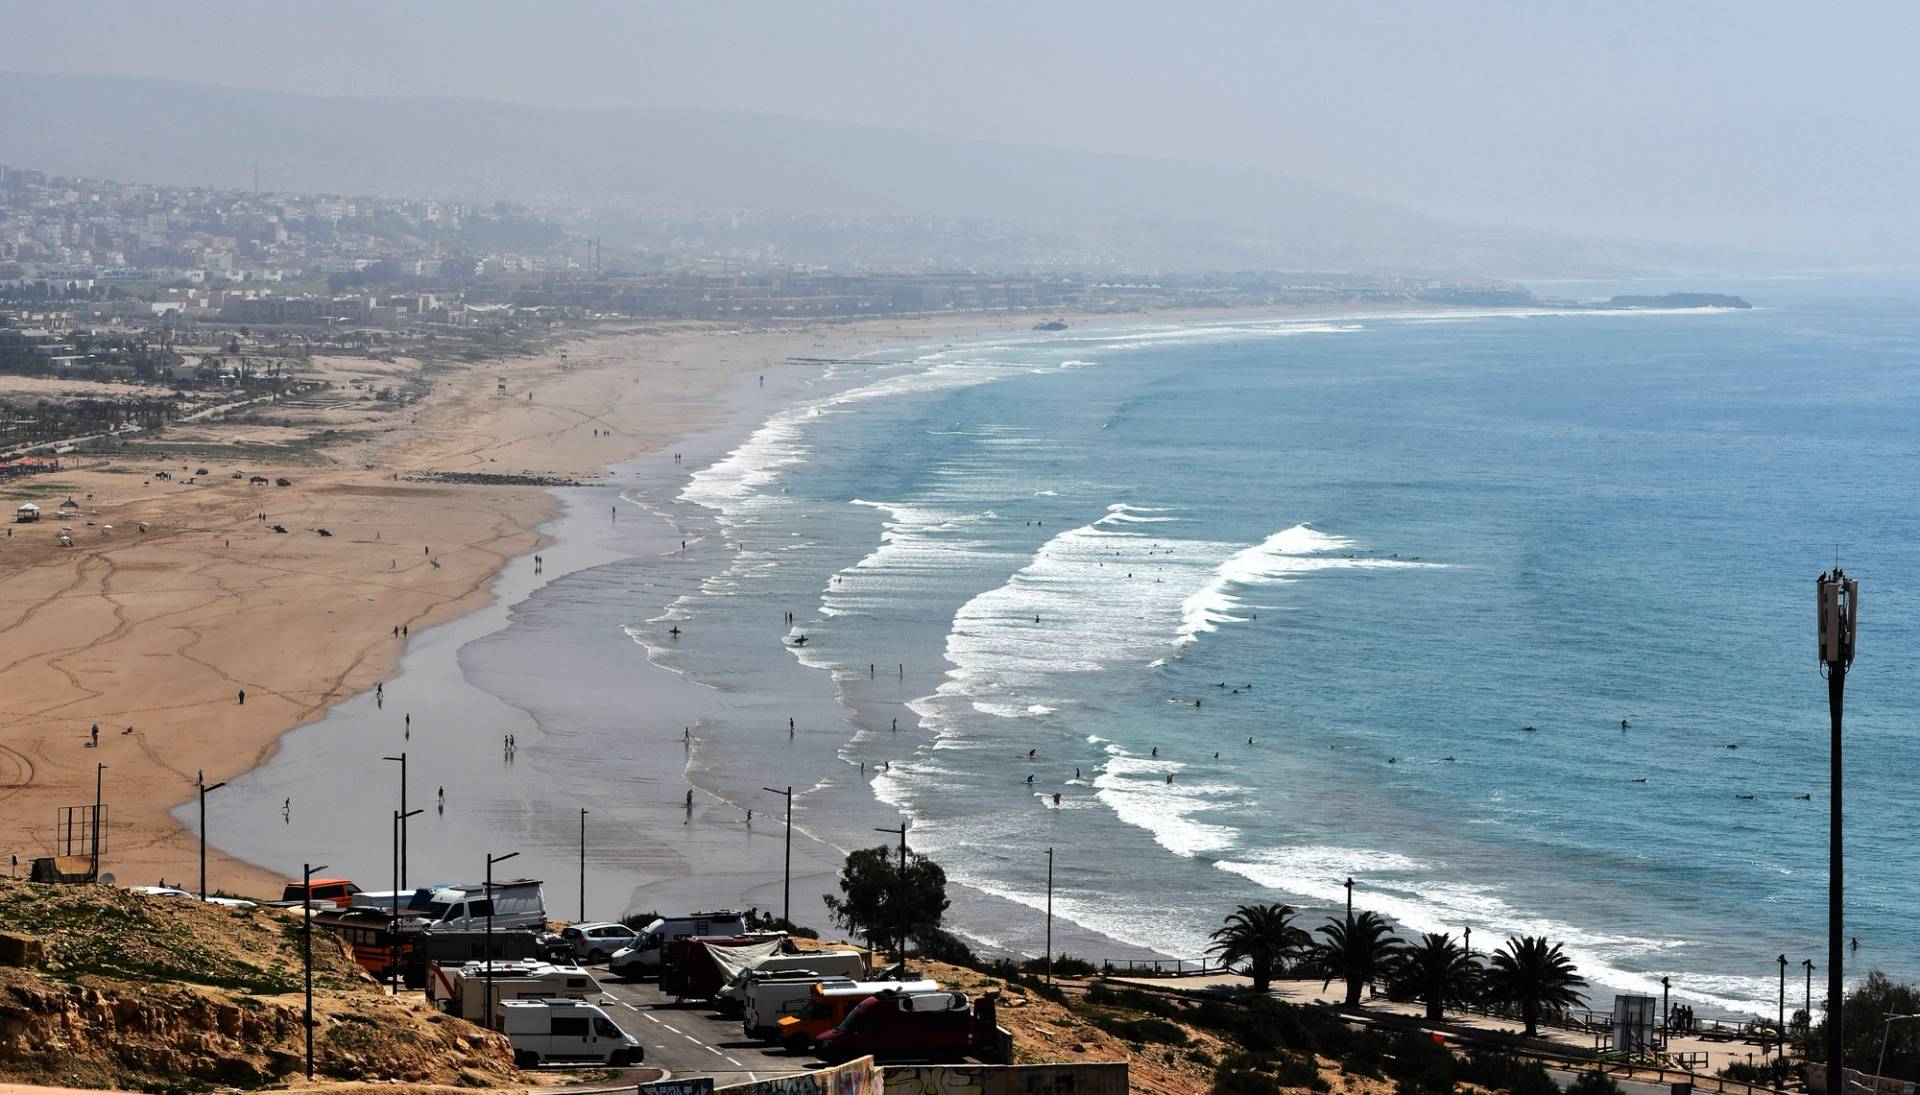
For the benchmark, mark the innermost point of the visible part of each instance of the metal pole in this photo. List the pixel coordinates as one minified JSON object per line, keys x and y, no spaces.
{"x":1782,"y":1032}
{"x":583,"y":864}
{"x":306,"y":944}
{"x":1049,"y":916}
{"x":1349,"y":899}
{"x":786,"y":885}
{"x":1809,"y":1006}
{"x":393,"y":914}
{"x":95,"y":858}
{"x":900,"y":886}
{"x":202,"y":781}
{"x":490,"y":969}
{"x":1666,"y":1033}
{"x":1836,"y":914}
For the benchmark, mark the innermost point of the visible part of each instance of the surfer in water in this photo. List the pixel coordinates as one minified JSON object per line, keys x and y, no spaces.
{"x":1029,"y":780}
{"x":1032,"y":753}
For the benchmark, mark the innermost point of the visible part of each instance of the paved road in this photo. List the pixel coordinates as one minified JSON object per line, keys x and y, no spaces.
{"x":694,"y":1040}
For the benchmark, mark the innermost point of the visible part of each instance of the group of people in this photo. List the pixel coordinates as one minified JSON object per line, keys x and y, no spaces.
{"x":1680,"y":1018}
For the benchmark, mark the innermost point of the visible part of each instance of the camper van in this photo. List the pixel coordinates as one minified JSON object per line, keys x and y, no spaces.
{"x":462,"y":991}
{"x":642,"y":959}
{"x":517,"y":905}
{"x":829,"y":1005}
{"x":823,"y":965}
{"x":571,"y":1031}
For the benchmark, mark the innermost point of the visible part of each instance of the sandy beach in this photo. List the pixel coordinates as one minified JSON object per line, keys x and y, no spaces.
{"x":161,"y":630}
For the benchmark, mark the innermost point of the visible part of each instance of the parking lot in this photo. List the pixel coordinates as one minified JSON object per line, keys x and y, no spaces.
{"x":693,"y":1040}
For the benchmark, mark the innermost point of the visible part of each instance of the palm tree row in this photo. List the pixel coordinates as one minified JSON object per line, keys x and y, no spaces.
{"x":1528,"y":975}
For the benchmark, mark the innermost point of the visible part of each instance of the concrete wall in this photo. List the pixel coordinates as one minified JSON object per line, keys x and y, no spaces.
{"x":1105,"y":1078}
{"x":853,"y":1078}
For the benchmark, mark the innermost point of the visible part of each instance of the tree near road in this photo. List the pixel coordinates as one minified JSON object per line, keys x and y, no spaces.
{"x":1358,"y":949}
{"x":1260,"y":936}
{"x":1437,"y":972}
{"x":1532,"y":977}
{"x":881,"y":902}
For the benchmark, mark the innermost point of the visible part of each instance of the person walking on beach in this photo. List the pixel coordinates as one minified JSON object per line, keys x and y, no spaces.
{"x":243,"y":697}
{"x":443,"y":800}
{"x":96,"y":735}
{"x":409,"y":723}
{"x":896,"y":726}
{"x":286,"y":811}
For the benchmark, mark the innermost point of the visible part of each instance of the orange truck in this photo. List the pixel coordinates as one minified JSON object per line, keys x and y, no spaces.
{"x":831,"y":1002}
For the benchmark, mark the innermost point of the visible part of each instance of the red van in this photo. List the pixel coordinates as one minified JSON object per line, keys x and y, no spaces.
{"x":918,"y":1026}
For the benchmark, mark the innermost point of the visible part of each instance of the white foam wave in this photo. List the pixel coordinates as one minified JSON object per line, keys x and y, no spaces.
{"x":1279,"y":558}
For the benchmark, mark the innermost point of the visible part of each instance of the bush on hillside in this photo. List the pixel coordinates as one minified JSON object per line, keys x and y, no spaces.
{"x":1594,"y":1083}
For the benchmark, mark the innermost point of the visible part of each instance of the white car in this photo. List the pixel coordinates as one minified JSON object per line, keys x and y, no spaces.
{"x":596,"y":942}
{"x":173,"y":891}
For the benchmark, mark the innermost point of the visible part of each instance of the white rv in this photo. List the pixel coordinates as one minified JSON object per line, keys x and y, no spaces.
{"x":462,"y":990}
{"x":517,"y":906}
{"x":570,"y":1031}
{"x":821,"y":965}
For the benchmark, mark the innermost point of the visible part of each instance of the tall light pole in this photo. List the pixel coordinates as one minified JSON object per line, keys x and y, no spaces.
{"x":1049,"y":916}
{"x":98,"y":769}
{"x":1666,"y":1035}
{"x":1885,"y":1030}
{"x":1468,"y":933}
{"x":1838,"y":598}
{"x":306,"y":944}
{"x":490,"y":968}
{"x":583,"y":864}
{"x":1782,"y":1032}
{"x":1349,"y":899}
{"x":402,"y":758}
{"x":899,"y":896}
{"x":201,"y":781}
{"x":393,"y":914}
{"x":1809,"y":1006}
{"x":786,"y":884}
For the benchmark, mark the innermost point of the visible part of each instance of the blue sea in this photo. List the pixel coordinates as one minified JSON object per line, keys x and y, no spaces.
{"x":1506,"y":616}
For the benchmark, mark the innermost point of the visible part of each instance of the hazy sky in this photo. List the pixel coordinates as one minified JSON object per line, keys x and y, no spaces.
{"x":1762,"y":125}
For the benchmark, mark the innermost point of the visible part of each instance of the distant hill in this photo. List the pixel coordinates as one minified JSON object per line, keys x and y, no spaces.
{"x":1134,"y":209}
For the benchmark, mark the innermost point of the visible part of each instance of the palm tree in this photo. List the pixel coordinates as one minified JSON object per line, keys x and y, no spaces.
{"x":1436,"y":971}
{"x":1530,"y":976}
{"x":1263,"y":937}
{"x":1358,"y":949}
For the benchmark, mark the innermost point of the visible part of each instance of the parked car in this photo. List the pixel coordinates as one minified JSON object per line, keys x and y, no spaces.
{"x":569,"y":1031}
{"x":643,"y":957}
{"x":596,"y":942}
{"x":323,"y":891}
{"x":516,"y":905}
{"x":919,"y":1026}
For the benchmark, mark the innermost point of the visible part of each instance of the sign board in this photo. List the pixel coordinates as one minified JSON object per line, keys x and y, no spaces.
{"x":1634,"y":1021}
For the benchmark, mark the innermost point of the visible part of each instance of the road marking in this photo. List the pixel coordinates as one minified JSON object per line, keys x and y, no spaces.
{"x":649,"y":1015}
{"x":729,"y":1057}
{"x":713,"y":1051}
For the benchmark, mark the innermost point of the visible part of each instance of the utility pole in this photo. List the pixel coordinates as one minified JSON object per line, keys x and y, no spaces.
{"x":491,"y":968}
{"x":1838,"y":599}
{"x":900,"y":896}
{"x":404,"y":815}
{"x":1349,"y":899}
{"x":1049,"y":916}
{"x":1809,"y":1006}
{"x":98,"y":769}
{"x":1782,"y":1032}
{"x":1666,"y":1034}
{"x":202,"y":783}
{"x":306,"y":943}
{"x":583,"y":864}
{"x":393,"y":918}
{"x":786,"y":885}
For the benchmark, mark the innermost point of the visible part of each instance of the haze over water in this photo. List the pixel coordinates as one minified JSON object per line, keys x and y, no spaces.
{"x":1397,"y":542}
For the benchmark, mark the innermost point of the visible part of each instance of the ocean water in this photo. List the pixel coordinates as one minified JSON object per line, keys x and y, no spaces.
{"x":1272,"y":604}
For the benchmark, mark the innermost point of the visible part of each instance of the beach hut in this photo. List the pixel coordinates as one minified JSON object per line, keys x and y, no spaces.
{"x":27,"y":514}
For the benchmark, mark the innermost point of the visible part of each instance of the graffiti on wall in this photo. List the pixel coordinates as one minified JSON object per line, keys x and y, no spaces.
{"x":1107,"y":1078}
{"x":852,"y":1078}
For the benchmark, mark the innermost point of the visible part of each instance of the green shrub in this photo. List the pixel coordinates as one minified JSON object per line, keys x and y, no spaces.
{"x":1594,"y":1083}
{"x":1147,"y":1031}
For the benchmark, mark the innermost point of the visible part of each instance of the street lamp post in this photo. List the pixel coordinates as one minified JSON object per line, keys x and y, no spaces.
{"x":393,"y":913}
{"x":1468,"y":932}
{"x":1808,"y":1051}
{"x":1349,"y":899}
{"x":583,"y":864}
{"x":1782,"y":1032}
{"x":786,"y":883}
{"x":204,"y":788}
{"x":306,"y":944}
{"x":1885,"y":1030}
{"x":1049,"y":916}
{"x":402,"y":758}
{"x":1666,"y":1034}
{"x":900,"y":894}
{"x":490,"y":968}
{"x":94,"y":840}
{"x":1838,"y":598}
